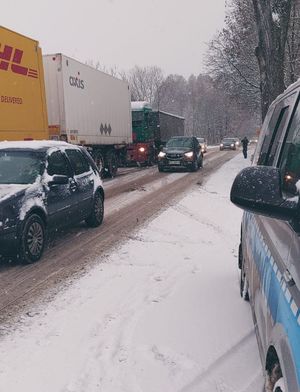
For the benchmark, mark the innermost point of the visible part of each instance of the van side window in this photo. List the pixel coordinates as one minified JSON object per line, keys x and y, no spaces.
{"x":290,"y":156}
{"x":275,"y":130}
{"x":272,"y":137}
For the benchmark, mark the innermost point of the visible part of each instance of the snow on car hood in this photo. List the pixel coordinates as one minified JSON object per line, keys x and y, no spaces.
{"x":7,"y":190}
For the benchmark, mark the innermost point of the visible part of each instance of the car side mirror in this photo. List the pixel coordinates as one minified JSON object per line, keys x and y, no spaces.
{"x":258,"y":189}
{"x":58,"y":179}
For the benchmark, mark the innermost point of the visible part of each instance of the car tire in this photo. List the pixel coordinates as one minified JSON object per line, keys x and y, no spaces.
{"x":161,"y":169}
{"x":194,"y":166}
{"x":32,"y":239}
{"x":96,"y":217}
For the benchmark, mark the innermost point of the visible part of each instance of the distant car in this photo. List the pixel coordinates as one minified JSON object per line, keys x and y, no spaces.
{"x":203,"y":143}
{"x":181,"y":152}
{"x":228,"y":144}
{"x":43,"y":186}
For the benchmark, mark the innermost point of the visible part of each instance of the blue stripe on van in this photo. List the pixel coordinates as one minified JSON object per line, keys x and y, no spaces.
{"x":277,"y":295}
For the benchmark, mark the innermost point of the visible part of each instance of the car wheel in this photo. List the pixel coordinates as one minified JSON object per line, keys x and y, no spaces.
{"x":244,"y":283}
{"x":161,"y":169}
{"x":96,"y":217}
{"x":32,"y":239}
{"x":195,"y":166}
{"x":201,"y":162}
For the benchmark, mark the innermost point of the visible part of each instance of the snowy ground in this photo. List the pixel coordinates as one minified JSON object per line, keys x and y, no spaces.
{"x":160,"y":314}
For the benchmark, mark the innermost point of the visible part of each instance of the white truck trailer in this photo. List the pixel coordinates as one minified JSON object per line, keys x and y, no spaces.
{"x":88,"y":107}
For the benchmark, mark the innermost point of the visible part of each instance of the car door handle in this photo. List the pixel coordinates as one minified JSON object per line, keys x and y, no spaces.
{"x":288,"y":278}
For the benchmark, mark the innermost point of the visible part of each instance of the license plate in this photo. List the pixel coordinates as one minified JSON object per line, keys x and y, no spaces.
{"x":174,"y":162}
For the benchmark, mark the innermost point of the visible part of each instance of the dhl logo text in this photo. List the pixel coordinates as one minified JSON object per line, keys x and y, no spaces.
{"x":11,"y":58}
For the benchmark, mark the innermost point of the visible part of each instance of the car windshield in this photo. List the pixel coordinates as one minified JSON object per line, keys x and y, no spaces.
{"x":228,"y":140}
{"x":180,"y":142}
{"x":20,"y":167}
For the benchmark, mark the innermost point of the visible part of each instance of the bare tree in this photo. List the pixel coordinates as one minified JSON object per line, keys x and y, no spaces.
{"x":272,"y":19}
{"x":230,"y":58}
{"x":293,"y":45}
{"x":145,"y":82}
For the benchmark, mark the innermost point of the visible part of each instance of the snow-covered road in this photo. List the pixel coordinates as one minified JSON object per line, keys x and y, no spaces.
{"x":160,"y":314}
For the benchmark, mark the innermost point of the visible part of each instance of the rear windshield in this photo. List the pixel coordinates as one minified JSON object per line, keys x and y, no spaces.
{"x":20,"y":167}
{"x":180,"y":142}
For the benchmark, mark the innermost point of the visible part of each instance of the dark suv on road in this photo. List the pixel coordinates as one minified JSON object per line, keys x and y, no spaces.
{"x":44,"y":186}
{"x":181,"y":152}
{"x":269,"y":251}
{"x":228,"y":143}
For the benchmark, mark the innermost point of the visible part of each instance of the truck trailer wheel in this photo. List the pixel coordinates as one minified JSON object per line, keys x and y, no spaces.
{"x":111,"y":164}
{"x":99,"y":160}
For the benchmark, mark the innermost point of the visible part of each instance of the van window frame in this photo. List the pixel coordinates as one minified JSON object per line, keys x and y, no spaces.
{"x":287,"y":102}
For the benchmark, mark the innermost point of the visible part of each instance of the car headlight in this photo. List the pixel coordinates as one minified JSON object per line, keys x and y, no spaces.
{"x":221,"y":145}
{"x":189,"y":154}
{"x":162,"y":154}
{"x":232,"y":145}
{"x":142,"y":149}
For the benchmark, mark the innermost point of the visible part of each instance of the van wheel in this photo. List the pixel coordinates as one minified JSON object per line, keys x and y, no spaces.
{"x":244,"y":283}
{"x":32,"y":239}
{"x":279,"y":386}
{"x":96,"y":217}
{"x":274,"y":381}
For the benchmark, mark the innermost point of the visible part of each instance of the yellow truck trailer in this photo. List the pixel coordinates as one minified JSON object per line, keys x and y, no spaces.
{"x":23,"y":110}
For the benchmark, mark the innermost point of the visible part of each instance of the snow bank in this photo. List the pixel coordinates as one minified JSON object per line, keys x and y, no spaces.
{"x":161,"y":314}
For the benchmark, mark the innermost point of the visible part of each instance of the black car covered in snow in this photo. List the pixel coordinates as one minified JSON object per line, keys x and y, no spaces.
{"x":45,"y":185}
{"x":181,"y":152}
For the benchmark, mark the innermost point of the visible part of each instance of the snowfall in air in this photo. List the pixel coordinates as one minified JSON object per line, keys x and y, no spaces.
{"x":160,"y":314}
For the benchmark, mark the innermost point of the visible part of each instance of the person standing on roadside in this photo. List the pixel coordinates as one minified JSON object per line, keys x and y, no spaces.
{"x":245,"y":143}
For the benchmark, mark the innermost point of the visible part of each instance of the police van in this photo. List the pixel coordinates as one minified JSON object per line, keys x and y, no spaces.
{"x":269,"y":252}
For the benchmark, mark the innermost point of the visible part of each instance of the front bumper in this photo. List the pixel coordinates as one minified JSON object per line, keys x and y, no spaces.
{"x":227,"y":148}
{"x":9,"y":241}
{"x":178,"y":163}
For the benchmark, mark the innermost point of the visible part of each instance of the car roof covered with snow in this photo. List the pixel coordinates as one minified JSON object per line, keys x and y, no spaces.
{"x":33,"y":145}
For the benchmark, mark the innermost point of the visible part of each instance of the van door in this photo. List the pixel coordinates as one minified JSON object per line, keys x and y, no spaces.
{"x":288,"y":314}
{"x":272,"y":239}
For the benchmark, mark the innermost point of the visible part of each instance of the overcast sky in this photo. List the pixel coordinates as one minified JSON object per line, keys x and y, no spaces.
{"x":171,"y":34}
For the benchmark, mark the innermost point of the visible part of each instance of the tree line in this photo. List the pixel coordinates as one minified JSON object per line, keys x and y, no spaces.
{"x":248,"y":63}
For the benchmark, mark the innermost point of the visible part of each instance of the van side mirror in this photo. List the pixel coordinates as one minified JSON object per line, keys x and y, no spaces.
{"x":258,"y":189}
